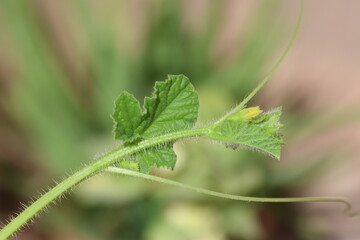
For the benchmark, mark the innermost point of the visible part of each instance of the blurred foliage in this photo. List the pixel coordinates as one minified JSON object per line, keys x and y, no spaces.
{"x":67,"y":61}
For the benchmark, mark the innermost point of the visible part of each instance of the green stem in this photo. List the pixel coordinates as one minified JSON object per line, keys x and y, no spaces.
{"x":99,"y":165}
{"x":347,"y":211}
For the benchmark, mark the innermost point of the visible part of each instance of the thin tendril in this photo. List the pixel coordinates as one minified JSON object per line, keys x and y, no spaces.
{"x":347,"y":211}
{"x":277,"y":64}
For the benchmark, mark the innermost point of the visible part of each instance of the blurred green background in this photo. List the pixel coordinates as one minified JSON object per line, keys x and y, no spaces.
{"x":62,"y":64}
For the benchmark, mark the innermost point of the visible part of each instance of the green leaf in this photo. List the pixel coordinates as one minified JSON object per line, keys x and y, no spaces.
{"x":158,"y":157}
{"x":172,"y":107}
{"x":127,"y":117}
{"x":251,"y":128}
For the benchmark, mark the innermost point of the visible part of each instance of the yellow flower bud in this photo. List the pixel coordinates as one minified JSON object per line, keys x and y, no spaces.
{"x":245,"y":114}
{"x":253,"y":112}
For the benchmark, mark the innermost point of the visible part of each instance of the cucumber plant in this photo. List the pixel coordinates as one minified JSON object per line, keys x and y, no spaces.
{"x":169,"y":115}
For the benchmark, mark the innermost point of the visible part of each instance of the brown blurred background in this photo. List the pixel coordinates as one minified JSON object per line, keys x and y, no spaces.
{"x":62,"y":64}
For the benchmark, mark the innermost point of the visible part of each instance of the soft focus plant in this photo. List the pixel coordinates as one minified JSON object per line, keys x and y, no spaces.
{"x":170,"y":115}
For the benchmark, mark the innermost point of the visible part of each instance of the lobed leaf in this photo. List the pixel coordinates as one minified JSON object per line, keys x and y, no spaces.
{"x":173,"y":106}
{"x":259,"y":132}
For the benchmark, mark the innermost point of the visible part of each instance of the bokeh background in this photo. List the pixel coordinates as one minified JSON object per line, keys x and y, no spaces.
{"x":62,"y":64}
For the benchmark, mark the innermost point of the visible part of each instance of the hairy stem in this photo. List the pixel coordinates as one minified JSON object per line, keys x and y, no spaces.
{"x":92,"y":169}
{"x":347,"y":211}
